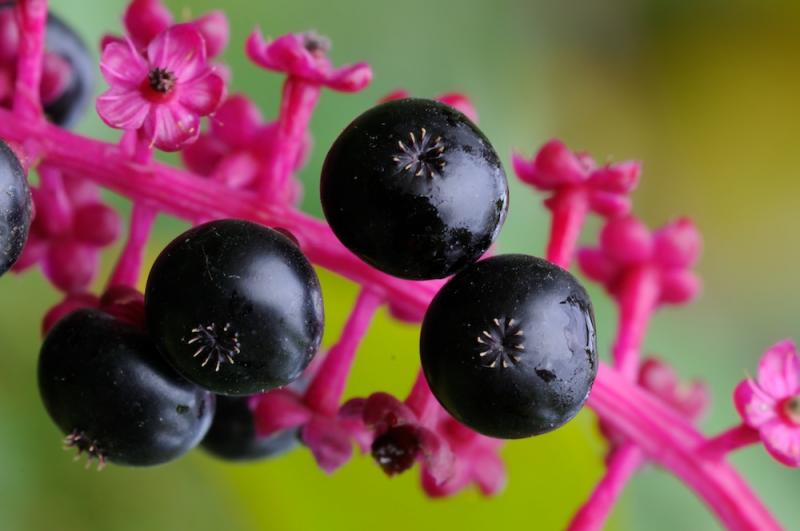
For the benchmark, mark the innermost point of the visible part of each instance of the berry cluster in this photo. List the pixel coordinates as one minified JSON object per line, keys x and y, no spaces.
{"x":222,"y":348}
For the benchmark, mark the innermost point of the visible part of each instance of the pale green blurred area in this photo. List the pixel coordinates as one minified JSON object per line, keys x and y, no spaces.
{"x":705,"y":93}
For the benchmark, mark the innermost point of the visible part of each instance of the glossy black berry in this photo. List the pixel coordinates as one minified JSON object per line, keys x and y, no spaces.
{"x":114,"y":397}
{"x":233,"y":433}
{"x":414,"y":188}
{"x":72,"y":104}
{"x":235,"y":307}
{"x":508,"y":346}
{"x":396,"y":449}
{"x":15,"y":208}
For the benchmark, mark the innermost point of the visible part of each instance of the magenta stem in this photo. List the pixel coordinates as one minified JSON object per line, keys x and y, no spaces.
{"x":421,"y":400}
{"x":664,"y":436}
{"x":298,"y":100}
{"x":622,"y":464}
{"x":129,"y":265}
{"x":729,"y":441}
{"x":59,"y":209}
{"x":569,"y":208}
{"x":327,"y":387}
{"x":637,"y":301}
{"x":32,"y":20}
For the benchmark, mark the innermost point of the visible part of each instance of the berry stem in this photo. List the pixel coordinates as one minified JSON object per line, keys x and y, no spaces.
{"x":143,"y":216}
{"x":59,"y":210}
{"x":637,"y":299}
{"x":569,"y":208}
{"x":32,"y":20}
{"x":327,"y":387}
{"x":622,"y":464}
{"x":729,"y":441}
{"x":298,"y":100}
{"x":421,"y":400}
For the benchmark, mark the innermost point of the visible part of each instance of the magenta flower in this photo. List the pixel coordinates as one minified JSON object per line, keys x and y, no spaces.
{"x":304,"y":55}
{"x":164,"y":94}
{"x":770,"y":404}
{"x":238,"y":145}
{"x":689,"y":398}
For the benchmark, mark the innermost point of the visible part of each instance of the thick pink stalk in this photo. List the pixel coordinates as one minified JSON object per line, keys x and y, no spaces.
{"x":622,"y":464}
{"x":665,"y":436}
{"x":637,"y":301}
{"x":569,"y":208}
{"x":32,"y":19}
{"x":143,"y":216}
{"x":297,"y":105}
{"x":730,"y":440}
{"x":327,"y":387}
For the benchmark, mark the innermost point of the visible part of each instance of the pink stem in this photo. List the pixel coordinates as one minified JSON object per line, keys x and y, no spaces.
{"x":32,"y":19}
{"x":665,"y":436}
{"x":421,"y":400}
{"x":327,"y":387}
{"x":297,"y":105}
{"x":622,"y":464}
{"x":729,"y":441}
{"x":51,"y":182}
{"x":569,"y":207}
{"x":143,"y":216}
{"x":637,"y":300}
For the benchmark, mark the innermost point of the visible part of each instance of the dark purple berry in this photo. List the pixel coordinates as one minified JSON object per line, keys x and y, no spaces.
{"x":15,"y":208}
{"x":114,"y":397}
{"x":414,"y":188}
{"x":396,"y":449}
{"x":233,"y":433}
{"x":72,"y":104}
{"x":235,"y":307}
{"x":508,"y":346}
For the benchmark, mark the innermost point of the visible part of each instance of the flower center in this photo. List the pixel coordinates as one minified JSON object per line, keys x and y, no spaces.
{"x":791,"y":409}
{"x":161,"y":80}
{"x":396,"y":450}
{"x":316,"y":44}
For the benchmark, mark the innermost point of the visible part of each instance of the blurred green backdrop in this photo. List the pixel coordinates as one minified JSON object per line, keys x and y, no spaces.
{"x":704,"y":92}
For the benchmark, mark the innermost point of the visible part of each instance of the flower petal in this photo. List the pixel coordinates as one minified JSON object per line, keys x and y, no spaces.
{"x":122,"y":108}
{"x":329,"y":442}
{"x":278,"y":410}
{"x":755,"y":406}
{"x":779,"y":370}
{"x":171,"y":126}
{"x":383,"y":411}
{"x":237,"y":170}
{"x":203,"y":155}
{"x":236,"y":121}
{"x":679,"y":286}
{"x":180,"y":50}
{"x":782,"y":441}
{"x":678,"y":244}
{"x":437,"y":458}
{"x":489,"y":472}
{"x":214,"y":28}
{"x":144,"y":19}
{"x":122,"y":66}
{"x":609,"y":204}
{"x":348,"y":78}
{"x":202,"y":95}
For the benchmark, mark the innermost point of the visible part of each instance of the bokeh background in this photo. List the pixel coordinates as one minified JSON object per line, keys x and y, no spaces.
{"x":705,"y":93}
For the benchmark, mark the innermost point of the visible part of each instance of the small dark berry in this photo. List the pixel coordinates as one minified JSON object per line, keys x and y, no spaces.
{"x":508,"y":346}
{"x":235,"y":307}
{"x":414,"y":188}
{"x":15,"y":208}
{"x":105,"y":385}
{"x":396,"y":449}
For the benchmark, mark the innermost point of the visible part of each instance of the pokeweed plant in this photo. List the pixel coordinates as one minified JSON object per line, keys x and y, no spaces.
{"x":508,"y":345}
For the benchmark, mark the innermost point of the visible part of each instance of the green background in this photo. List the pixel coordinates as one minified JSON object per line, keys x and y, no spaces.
{"x":704,"y":93}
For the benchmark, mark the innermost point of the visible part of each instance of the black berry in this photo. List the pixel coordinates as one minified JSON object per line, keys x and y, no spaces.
{"x":414,"y":189}
{"x":508,"y":346}
{"x":235,"y":307}
{"x":396,"y":449}
{"x":233,"y":433}
{"x":15,"y":208}
{"x":114,"y":397}
{"x":72,"y":104}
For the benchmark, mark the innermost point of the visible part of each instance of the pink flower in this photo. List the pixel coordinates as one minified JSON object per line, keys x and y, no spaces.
{"x":689,"y":398}
{"x":556,"y":169}
{"x":69,"y":228}
{"x":771,"y":403}
{"x":238,"y":145}
{"x":163,"y":94}
{"x":304,"y":55}
{"x":628,"y":247}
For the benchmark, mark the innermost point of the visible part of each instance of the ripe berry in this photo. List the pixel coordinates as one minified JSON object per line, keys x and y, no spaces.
{"x":233,"y":433}
{"x":105,"y":385}
{"x":15,"y":208}
{"x":71,"y":105}
{"x":396,"y":449}
{"x":508,"y":346}
{"x":414,"y":189}
{"x":235,"y":307}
